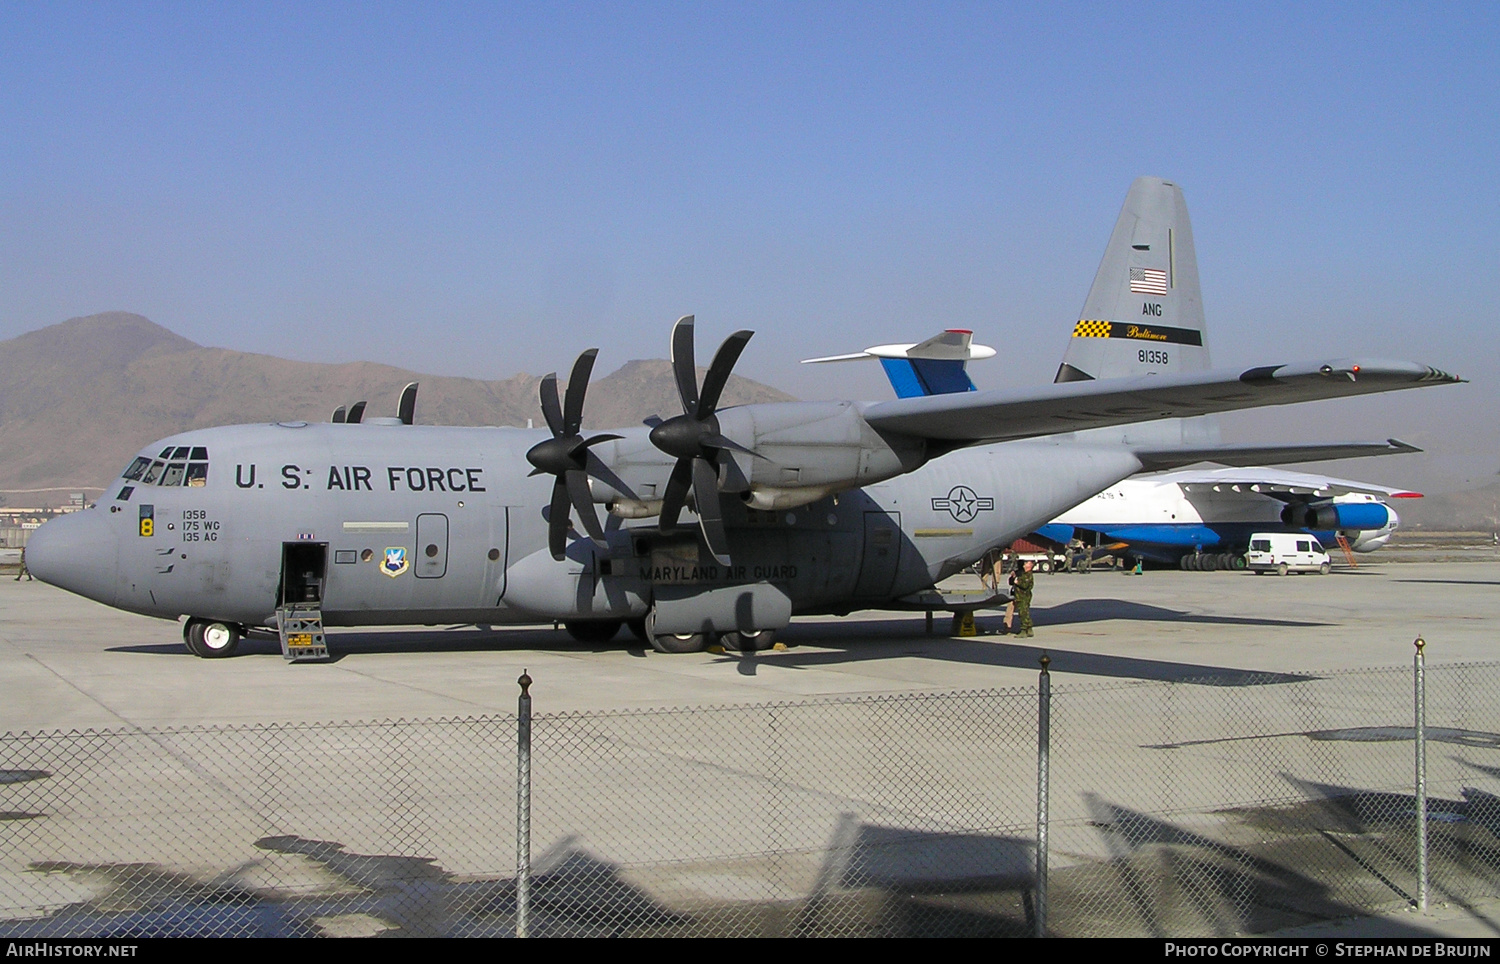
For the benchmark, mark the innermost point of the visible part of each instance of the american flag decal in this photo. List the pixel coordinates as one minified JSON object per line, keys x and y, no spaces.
{"x":1148,"y":281}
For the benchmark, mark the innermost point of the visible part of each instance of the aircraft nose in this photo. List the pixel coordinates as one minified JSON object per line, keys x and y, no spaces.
{"x":75,"y":552}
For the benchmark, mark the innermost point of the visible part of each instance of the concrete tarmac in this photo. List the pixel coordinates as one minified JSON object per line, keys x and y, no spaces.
{"x":68,"y":663}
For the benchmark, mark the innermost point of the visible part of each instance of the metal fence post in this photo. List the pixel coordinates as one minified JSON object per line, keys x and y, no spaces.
{"x":1043,"y":777}
{"x":523,"y":808}
{"x":1421,"y":747}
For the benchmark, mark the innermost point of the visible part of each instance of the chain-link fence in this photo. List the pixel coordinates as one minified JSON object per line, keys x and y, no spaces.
{"x":1237,"y":804}
{"x":1218,"y":810}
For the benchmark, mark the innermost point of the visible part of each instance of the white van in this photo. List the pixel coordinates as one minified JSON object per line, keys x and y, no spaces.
{"x":1286,"y":552}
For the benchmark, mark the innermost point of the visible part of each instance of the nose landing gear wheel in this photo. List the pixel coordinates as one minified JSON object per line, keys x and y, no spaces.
{"x":211,"y":639}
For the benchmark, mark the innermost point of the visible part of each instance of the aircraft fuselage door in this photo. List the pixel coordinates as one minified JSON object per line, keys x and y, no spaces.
{"x":303,"y":569}
{"x":432,"y":545}
{"x":882,"y":555}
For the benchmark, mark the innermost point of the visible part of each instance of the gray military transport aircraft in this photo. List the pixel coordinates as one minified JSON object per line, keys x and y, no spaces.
{"x":801,"y":507}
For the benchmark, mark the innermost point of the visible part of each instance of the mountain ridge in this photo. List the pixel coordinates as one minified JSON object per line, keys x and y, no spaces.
{"x":79,"y":398}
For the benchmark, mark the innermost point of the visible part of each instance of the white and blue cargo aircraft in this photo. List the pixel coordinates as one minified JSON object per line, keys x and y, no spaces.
{"x":801,"y":507}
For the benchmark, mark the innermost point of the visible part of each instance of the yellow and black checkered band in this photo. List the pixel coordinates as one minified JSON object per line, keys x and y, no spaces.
{"x":1091,"y":329}
{"x":1121,"y":329}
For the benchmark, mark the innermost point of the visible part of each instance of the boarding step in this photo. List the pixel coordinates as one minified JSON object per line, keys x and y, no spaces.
{"x":301,"y":630}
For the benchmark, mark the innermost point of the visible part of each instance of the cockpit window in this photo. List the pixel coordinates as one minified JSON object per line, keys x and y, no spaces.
{"x":172,"y":468}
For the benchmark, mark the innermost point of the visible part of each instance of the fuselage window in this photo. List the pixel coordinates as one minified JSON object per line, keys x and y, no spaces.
{"x":174,"y":474}
{"x":153,"y":473}
{"x":137,"y":469}
{"x":197,"y":473}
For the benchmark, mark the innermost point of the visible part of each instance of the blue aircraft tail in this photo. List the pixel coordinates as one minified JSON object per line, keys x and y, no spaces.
{"x":936,"y":366}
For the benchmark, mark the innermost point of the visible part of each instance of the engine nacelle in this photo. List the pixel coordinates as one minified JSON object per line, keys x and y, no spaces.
{"x":1368,"y":540}
{"x":817,"y":447}
{"x":1324,"y":516}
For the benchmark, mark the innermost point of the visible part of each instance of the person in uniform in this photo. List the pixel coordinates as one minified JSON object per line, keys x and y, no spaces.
{"x":23,"y":571}
{"x":1021,"y":584}
{"x":1077,"y":555}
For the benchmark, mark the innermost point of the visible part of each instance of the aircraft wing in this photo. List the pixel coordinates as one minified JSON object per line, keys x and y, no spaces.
{"x":972,"y":418}
{"x":1245,"y":455}
{"x":1277,"y":483}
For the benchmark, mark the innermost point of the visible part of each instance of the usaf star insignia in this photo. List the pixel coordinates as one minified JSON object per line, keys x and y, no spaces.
{"x":963,"y":504}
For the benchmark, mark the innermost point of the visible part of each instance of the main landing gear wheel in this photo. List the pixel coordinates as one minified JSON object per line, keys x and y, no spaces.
{"x":210,"y":638}
{"x":592,"y":630}
{"x":752,"y":642}
{"x":673,"y":642}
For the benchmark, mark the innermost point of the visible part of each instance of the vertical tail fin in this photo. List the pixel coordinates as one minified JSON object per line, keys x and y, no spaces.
{"x":1144,"y":314}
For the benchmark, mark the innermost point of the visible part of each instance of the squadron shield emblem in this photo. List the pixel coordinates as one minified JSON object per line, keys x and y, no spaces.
{"x":394,"y":562}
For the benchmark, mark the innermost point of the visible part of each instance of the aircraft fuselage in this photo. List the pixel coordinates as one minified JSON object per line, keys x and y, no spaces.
{"x":408,"y":524}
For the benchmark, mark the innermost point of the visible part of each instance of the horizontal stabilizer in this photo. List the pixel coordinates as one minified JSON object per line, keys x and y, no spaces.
{"x":955,"y":344}
{"x":1246,"y":455}
{"x":932,"y":367}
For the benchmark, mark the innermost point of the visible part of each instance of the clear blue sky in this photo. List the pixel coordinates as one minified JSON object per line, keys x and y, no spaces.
{"x":488,"y":189}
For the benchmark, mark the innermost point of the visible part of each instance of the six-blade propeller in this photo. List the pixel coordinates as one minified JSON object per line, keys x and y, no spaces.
{"x":693,"y":437}
{"x":566,"y":455}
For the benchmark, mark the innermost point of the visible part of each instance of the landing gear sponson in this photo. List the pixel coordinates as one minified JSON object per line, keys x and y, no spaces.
{"x":596,"y":631}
